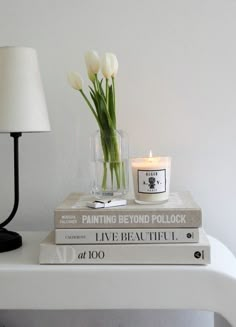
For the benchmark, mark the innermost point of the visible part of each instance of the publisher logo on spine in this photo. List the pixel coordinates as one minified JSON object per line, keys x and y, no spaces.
{"x":152,"y":181}
{"x":197,"y":255}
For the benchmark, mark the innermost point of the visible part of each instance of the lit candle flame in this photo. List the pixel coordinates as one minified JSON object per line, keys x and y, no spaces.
{"x":150,"y":154}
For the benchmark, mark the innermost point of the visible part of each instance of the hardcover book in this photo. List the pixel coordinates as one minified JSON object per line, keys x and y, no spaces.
{"x":126,"y":236}
{"x":180,"y":211}
{"x":181,"y":253}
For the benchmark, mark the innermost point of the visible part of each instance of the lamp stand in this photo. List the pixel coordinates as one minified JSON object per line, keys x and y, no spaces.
{"x":12,"y":240}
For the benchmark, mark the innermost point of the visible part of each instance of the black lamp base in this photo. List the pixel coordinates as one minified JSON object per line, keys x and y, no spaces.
{"x":9,"y":240}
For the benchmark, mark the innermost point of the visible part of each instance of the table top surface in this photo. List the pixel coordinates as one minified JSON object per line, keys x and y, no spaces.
{"x":25,"y":284}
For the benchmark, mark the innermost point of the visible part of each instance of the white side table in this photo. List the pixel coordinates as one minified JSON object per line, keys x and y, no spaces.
{"x":24,"y":284}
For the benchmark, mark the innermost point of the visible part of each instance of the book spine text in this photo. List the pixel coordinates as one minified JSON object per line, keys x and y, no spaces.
{"x":192,"y":253}
{"x":126,"y":236}
{"x":122,"y":219}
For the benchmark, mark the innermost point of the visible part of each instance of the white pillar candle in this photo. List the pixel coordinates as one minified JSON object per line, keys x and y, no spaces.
{"x":151,"y":178}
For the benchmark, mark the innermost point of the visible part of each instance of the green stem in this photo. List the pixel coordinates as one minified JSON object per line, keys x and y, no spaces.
{"x":115,"y":156}
{"x":90,"y":106}
{"x":112,"y":174}
{"x":114,"y":101}
{"x":107,"y":86}
{"x":105,"y":150}
{"x":107,"y":101}
{"x":95,"y":83}
{"x":104,"y":179}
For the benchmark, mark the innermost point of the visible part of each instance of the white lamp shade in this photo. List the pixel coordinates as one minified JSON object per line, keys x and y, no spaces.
{"x":22,"y":101}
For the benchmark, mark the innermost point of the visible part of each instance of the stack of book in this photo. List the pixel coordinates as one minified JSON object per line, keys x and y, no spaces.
{"x":168,"y":233}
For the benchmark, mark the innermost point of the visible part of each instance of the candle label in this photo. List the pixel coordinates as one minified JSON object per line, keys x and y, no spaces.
{"x":152,"y":181}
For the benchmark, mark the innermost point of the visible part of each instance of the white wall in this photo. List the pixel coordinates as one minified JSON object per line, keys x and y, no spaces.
{"x":176,"y":96}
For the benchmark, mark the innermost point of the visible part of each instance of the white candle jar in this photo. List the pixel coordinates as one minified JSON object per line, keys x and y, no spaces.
{"x":151,"y":179}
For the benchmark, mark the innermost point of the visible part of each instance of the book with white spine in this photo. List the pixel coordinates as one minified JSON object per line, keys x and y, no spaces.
{"x":121,"y":254}
{"x":126,"y":236}
{"x":179,"y":211}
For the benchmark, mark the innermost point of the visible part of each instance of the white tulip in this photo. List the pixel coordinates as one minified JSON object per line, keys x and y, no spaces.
{"x":92,"y":61}
{"x":75,"y":81}
{"x":115,"y":64}
{"x":107,"y":66}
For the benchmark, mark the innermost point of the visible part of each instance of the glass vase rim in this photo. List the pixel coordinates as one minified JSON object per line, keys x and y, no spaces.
{"x":121,"y":132}
{"x":115,"y":129}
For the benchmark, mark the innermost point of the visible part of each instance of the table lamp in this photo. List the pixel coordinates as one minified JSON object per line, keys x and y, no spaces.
{"x":22,"y":110}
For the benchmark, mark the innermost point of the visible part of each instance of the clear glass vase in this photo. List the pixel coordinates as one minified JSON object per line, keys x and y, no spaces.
{"x":110,"y":164}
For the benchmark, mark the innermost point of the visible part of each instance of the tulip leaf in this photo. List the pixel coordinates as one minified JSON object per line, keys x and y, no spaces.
{"x":102,"y":112}
{"x":93,"y":96}
{"x":101,"y":91}
{"x":92,"y":91}
{"x":105,"y":115}
{"x":111,"y":105}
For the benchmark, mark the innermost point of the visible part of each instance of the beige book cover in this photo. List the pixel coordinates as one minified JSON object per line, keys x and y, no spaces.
{"x":180,"y":211}
{"x":142,"y":254}
{"x":126,"y":236}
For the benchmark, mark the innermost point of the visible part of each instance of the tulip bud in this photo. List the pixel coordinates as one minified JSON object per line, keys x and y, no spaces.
{"x":109,"y":65}
{"x":115,"y":64}
{"x":75,"y":81}
{"x":92,"y":61}
{"x":107,"y":68}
